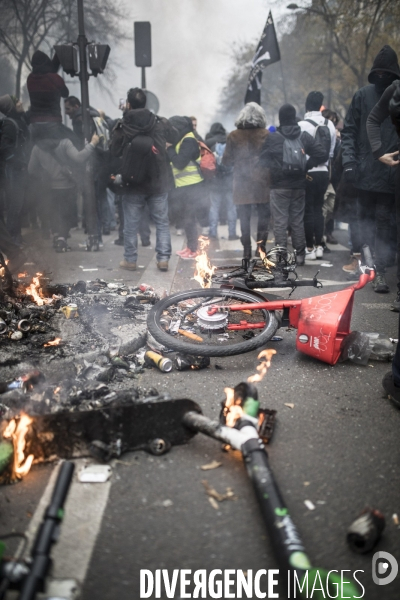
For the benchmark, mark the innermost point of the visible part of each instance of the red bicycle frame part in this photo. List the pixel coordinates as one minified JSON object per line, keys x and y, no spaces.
{"x":322,"y":322}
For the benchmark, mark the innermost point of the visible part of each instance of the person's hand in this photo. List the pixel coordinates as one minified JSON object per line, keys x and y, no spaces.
{"x":95,"y":139}
{"x":167,"y":144}
{"x":387,"y":159}
{"x":349,"y":173}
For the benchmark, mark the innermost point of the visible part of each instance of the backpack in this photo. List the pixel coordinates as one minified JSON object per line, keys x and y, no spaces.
{"x":208,"y":163}
{"x":294,"y":159}
{"x":219,"y":152}
{"x":139,"y":163}
{"x":323,"y":136}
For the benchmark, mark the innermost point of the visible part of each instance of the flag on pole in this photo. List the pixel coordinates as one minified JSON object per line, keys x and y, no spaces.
{"x":266,"y":54}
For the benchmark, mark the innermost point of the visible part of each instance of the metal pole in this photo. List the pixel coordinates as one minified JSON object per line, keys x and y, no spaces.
{"x":143,"y":78}
{"x":89,"y":194}
{"x":83,"y":72}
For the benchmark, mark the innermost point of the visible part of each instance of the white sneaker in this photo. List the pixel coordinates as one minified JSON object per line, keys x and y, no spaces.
{"x":310,"y":254}
{"x":179,"y":231}
{"x":319,"y":252}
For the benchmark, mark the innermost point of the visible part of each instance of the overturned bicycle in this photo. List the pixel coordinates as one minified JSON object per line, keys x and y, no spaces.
{"x":238,"y":317}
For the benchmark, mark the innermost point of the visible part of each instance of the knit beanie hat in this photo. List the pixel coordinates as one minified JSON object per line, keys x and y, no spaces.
{"x":314,"y":101}
{"x":287,"y":115}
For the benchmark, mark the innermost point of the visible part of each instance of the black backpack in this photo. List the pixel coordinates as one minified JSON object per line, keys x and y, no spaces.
{"x":323,"y":136}
{"x":294,"y":159}
{"x":139,"y":163}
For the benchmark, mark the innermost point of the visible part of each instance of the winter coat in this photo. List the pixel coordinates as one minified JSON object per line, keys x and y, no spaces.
{"x":371,"y":175}
{"x":379,"y":114}
{"x":58,"y":161}
{"x":272,"y":157}
{"x":141,"y":121}
{"x":45,"y":89}
{"x":216,"y":135}
{"x":14,"y":138}
{"x":189,"y":150}
{"x":242,"y":152}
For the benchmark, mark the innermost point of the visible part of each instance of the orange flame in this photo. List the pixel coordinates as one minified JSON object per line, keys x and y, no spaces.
{"x":204,"y":270}
{"x":18,"y":433}
{"x":21,"y":275}
{"x":266,"y":262}
{"x":52,"y":343}
{"x":34,"y":290}
{"x":263,"y":367}
{"x":233,"y":409}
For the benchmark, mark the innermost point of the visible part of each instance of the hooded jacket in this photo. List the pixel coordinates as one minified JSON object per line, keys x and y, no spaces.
{"x":272,"y":157}
{"x":14,"y":135}
{"x":216,"y":135}
{"x":141,"y":121}
{"x":58,"y":162}
{"x":189,"y":150}
{"x":242,"y":152}
{"x":371,"y":175}
{"x":45,"y":88}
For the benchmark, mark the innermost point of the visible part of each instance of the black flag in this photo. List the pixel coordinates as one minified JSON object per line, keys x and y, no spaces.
{"x":267,"y":53}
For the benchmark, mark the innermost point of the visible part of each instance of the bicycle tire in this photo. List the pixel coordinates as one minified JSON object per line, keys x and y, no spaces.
{"x":202,"y":349}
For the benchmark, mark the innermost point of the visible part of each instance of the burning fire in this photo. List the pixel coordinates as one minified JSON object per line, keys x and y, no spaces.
{"x":52,"y":343}
{"x":263,"y":367}
{"x":2,"y":273}
{"x":233,"y":410}
{"x":34,"y":290}
{"x":204,"y":270}
{"x":266,"y":262}
{"x":17,"y":433}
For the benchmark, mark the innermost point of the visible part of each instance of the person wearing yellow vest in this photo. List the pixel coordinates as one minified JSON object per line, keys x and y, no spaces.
{"x":189,"y":187}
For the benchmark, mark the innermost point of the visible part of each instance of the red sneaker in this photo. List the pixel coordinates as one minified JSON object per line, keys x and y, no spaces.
{"x":189,"y":255}
{"x":180,"y":252}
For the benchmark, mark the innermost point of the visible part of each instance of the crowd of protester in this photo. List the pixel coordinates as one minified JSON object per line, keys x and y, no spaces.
{"x":295,"y":178}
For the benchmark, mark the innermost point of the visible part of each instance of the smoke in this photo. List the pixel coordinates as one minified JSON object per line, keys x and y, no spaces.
{"x":191,"y":42}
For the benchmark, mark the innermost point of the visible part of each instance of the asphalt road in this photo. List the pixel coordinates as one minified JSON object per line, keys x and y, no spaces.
{"x":337,"y":447}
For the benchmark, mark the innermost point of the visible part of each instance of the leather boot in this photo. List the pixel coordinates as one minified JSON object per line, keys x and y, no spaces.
{"x":246,"y":243}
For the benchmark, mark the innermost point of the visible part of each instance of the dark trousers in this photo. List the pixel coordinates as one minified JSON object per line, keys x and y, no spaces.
{"x":15,"y":199}
{"x":244,"y":214}
{"x":375,"y":216}
{"x":62,"y":211}
{"x":287,"y":207}
{"x":313,"y":216}
{"x":189,"y":198}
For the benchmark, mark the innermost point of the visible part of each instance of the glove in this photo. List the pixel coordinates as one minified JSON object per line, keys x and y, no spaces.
{"x":349,"y":173}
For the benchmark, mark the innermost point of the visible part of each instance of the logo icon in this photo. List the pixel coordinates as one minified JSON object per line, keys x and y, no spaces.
{"x":384,"y":568}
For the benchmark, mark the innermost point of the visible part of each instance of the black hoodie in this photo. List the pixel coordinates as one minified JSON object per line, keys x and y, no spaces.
{"x":272,"y":157}
{"x":141,"y":121}
{"x":216,"y":135}
{"x":45,"y":89}
{"x":371,"y":175}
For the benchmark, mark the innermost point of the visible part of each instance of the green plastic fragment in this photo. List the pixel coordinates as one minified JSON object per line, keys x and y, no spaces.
{"x":281,"y":512}
{"x":6,"y":455}
{"x":251,"y":407}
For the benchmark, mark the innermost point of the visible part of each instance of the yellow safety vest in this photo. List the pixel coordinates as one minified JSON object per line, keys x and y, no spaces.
{"x":191,"y":173}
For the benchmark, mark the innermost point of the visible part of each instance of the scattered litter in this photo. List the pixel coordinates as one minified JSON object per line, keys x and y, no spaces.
{"x":289,"y":404}
{"x":210,"y":491}
{"x":184,"y":362}
{"x":359,"y":347}
{"x":394,"y":340}
{"x":95,"y":474}
{"x":309,"y":504}
{"x":158,"y":360}
{"x":218,"y":367}
{"x":364,"y":533}
{"x":326,"y":265}
{"x":192,"y":336}
{"x":306,"y":483}
{"x":89,"y":269}
{"x":321,"y":502}
{"x":213,"y":502}
{"x":167,"y":503}
{"x":395,"y":519}
{"x":212,"y":465}
{"x":276,"y":338}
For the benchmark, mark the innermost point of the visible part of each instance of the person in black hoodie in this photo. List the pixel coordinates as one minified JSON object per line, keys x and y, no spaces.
{"x":374,"y":180}
{"x":221,"y":185}
{"x":149,"y":183}
{"x":45,"y":89}
{"x":288,"y":188}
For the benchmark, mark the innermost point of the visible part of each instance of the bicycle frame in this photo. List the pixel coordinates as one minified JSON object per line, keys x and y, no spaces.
{"x":322,"y":322}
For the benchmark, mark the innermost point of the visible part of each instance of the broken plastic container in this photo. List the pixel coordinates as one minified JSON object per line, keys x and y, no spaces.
{"x":360,"y":347}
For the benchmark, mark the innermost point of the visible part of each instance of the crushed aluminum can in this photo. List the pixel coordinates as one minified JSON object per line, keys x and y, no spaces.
{"x":70,"y":311}
{"x":24,"y":325}
{"x":184,"y":362}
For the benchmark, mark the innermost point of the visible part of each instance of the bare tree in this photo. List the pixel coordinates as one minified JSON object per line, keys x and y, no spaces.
{"x":28,"y":25}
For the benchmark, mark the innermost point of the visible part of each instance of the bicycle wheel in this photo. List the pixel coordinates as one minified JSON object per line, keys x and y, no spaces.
{"x":189,"y":311}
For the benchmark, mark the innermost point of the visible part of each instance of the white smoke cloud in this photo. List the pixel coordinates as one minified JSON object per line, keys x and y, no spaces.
{"x":191,"y":41}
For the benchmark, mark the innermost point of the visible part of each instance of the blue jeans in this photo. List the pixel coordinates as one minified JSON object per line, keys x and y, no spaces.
{"x":133,"y":206}
{"x":216,"y":196}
